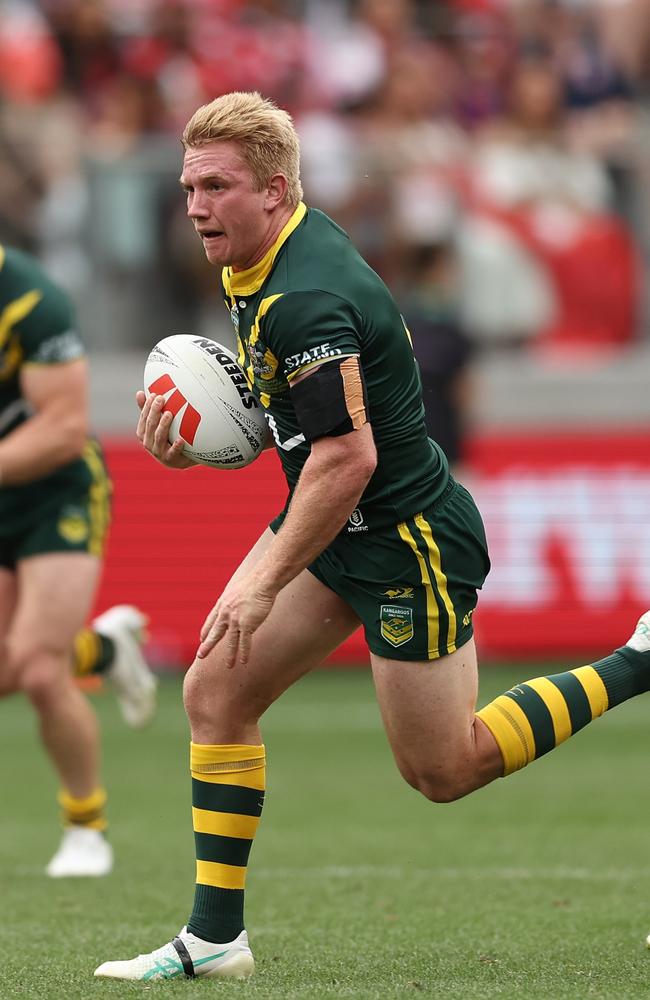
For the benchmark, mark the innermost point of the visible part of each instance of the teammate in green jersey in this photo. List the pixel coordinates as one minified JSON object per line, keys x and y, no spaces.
{"x":375,"y":531}
{"x":54,"y":513}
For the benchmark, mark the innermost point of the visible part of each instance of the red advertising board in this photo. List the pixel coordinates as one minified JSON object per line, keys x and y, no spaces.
{"x":567,"y":518}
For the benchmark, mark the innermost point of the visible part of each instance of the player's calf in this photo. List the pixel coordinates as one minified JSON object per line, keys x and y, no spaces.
{"x":537,"y":715}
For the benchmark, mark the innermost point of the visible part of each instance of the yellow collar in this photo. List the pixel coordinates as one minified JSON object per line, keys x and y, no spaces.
{"x":251,"y":280}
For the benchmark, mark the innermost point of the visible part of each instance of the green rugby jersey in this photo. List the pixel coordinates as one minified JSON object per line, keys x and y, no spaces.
{"x":36,"y":328}
{"x":313,"y":298}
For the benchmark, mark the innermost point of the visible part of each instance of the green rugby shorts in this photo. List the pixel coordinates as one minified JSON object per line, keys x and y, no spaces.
{"x":414,"y":584}
{"x":71,"y":517}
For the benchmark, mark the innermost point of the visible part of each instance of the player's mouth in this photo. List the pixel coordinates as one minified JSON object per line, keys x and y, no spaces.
{"x":212,"y":234}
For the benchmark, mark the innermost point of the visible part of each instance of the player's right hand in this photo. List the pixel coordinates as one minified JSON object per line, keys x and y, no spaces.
{"x":153,"y":432}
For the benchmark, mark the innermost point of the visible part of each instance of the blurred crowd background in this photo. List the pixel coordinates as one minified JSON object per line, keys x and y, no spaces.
{"x":488,"y":157}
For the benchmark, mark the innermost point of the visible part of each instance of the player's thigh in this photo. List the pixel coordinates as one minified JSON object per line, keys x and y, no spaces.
{"x":428,"y":707}
{"x":7,"y":604}
{"x":307,"y":622}
{"x":55,"y":593}
{"x":7,"y":599}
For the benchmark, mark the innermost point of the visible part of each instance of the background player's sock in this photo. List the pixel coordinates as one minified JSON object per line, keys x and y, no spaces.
{"x":227,"y":797}
{"x":89,"y":812}
{"x":93,"y":653}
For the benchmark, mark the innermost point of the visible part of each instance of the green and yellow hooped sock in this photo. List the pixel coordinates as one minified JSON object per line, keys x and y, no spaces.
{"x":228,"y":784}
{"x":536,"y":716}
{"x":88,"y":812}
{"x":92,"y":653}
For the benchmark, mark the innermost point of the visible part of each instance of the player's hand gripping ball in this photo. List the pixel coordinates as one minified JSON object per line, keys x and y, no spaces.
{"x":206,"y":390}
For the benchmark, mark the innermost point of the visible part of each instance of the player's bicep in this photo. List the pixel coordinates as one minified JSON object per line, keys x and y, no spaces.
{"x":330,"y":400}
{"x":58,"y":389}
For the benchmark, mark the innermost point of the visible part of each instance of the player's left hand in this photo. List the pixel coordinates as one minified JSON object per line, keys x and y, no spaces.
{"x":240,"y":610}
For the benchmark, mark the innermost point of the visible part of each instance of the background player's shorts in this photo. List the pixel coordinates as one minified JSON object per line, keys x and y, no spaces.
{"x":70,"y":518}
{"x":414,"y":585}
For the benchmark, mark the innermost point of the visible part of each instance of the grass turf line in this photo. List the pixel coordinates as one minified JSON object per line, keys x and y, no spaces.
{"x":537,"y":887}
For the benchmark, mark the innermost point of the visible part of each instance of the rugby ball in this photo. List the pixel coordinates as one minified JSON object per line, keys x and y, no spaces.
{"x":219,"y":418}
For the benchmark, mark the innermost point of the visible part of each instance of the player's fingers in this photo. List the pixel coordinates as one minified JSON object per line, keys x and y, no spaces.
{"x":154,"y":417}
{"x":152,"y":420}
{"x":142,"y":419}
{"x":161,"y":433}
{"x":232,"y":642}
{"x":176,"y":456}
{"x":212,"y":638}
{"x":244,"y":647}
{"x":140,"y":398}
{"x":210,"y":619}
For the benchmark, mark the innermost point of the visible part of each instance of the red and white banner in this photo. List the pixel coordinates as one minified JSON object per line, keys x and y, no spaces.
{"x":568,"y":524}
{"x":567,"y":519}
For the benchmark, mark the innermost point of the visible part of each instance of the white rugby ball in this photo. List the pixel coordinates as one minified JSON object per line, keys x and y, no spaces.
{"x":205,"y":388}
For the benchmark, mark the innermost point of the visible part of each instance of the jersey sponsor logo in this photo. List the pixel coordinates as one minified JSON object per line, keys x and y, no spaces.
{"x":396,"y":624}
{"x":399,"y":593}
{"x":234,"y":316}
{"x":308,"y":357}
{"x":174,"y":404}
{"x":290,"y":443}
{"x":231,"y":367}
{"x":356,"y":521}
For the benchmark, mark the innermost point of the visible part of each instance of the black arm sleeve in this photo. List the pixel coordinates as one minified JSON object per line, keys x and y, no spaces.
{"x":331,"y":400}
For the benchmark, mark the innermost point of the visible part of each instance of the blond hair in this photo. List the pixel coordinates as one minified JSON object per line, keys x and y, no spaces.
{"x":265,"y":133}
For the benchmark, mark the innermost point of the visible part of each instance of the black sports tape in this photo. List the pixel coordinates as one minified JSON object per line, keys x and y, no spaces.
{"x":320,"y":401}
{"x":184,"y":955}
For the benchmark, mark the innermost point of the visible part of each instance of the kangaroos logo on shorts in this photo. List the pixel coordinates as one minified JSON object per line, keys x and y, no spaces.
{"x":73,"y":526}
{"x":396,"y":624}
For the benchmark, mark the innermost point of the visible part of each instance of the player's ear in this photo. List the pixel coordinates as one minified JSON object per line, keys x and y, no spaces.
{"x":276,"y":191}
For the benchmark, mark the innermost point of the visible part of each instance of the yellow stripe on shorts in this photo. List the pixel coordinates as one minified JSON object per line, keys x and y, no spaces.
{"x":433,"y":623}
{"x":441,"y":578}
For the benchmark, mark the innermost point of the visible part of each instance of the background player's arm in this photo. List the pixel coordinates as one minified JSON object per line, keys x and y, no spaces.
{"x":58,"y":429}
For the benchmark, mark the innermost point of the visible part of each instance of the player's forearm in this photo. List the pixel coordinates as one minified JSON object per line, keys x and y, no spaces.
{"x":322,"y":502}
{"x":40,"y":446}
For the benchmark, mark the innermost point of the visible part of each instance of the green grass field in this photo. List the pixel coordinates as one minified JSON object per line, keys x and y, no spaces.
{"x":538,"y":886}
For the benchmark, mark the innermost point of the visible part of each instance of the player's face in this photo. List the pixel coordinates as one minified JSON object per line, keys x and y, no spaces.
{"x":233,"y":221}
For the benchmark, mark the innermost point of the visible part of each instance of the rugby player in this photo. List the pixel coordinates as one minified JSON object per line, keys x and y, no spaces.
{"x":375,"y":531}
{"x":54,"y":515}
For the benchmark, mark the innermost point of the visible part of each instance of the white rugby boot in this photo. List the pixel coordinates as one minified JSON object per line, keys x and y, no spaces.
{"x":640,"y":638}
{"x":189,"y":956}
{"x":82,"y":853}
{"x":135,"y":684}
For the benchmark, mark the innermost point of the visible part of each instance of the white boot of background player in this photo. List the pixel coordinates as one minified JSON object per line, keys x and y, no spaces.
{"x":134,"y":683}
{"x":82,"y":853}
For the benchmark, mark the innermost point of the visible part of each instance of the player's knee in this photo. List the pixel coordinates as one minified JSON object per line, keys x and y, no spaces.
{"x":218,"y":706}
{"x":443,"y":785}
{"x":40,"y":677}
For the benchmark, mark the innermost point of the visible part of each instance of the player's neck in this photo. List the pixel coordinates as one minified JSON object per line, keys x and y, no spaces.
{"x":275,"y":228}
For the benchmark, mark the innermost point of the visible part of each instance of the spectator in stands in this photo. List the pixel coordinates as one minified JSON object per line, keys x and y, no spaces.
{"x":428,"y":298}
{"x":544,"y":215}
